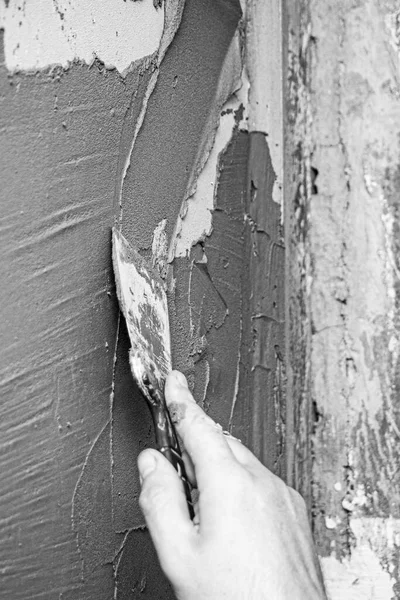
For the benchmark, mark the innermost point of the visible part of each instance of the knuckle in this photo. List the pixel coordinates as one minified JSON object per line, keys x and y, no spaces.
{"x":152,"y":497}
{"x":197,"y":417}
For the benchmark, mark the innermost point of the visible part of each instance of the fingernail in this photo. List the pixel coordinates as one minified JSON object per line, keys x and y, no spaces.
{"x":146,"y":464}
{"x":180,"y":379}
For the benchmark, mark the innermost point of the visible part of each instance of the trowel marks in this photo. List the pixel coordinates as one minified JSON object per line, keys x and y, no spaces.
{"x":72,"y":422}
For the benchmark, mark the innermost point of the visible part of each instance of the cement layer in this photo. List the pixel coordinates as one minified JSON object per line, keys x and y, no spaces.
{"x":80,"y":148}
{"x":85,"y":149}
{"x":61,"y":136}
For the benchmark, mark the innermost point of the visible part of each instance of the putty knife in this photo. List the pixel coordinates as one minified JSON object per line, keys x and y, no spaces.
{"x":143,"y":303}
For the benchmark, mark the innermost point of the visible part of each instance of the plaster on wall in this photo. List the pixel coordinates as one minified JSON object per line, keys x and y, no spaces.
{"x":117,"y":32}
{"x":71,"y":135}
{"x":264,"y":66}
{"x":261,"y":99}
{"x":195,"y":220}
{"x":67,"y":133}
{"x":227,"y":214}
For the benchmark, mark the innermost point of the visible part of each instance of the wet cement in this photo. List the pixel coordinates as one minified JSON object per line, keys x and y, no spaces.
{"x":72,"y":421}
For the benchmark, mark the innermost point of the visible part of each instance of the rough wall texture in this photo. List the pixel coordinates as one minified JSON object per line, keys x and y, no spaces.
{"x":85,"y":146}
{"x":343,"y":227}
{"x":72,"y":423}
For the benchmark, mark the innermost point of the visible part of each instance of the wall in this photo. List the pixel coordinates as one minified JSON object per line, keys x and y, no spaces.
{"x":343,"y":117}
{"x":144,"y":115}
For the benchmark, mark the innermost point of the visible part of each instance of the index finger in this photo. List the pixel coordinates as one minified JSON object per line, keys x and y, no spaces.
{"x":204,"y":442}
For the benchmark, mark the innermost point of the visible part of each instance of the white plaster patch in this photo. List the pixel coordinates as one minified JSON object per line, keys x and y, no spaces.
{"x":196,"y":223}
{"x":362,"y":576}
{"x":47,"y":32}
{"x":358,"y":500}
{"x":331,"y":522}
{"x":264,"y":65}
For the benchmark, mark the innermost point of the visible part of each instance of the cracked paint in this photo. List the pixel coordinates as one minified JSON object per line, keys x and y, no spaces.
{"x":344,"y":77}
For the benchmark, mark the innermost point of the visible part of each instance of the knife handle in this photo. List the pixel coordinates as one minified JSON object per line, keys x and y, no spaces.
{"x":166,"y":439}
{"x":176,"y":461}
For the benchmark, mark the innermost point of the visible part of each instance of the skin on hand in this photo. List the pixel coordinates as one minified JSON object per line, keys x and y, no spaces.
{"x":250,"y":539}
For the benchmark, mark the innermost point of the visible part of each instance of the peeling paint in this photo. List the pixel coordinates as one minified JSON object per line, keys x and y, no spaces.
{"x":62,"y":31}
{"x":364,"y":575}
{"x":345,"y":109}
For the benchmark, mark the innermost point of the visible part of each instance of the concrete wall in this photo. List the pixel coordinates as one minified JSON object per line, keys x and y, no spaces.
{"x":143,"y":115}
{"x":343,"y":122}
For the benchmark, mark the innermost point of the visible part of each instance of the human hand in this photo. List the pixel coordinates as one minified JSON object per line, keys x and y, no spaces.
{"x":250,"y":539}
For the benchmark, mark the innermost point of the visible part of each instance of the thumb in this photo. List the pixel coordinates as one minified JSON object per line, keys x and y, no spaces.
{"x":164,"y":506}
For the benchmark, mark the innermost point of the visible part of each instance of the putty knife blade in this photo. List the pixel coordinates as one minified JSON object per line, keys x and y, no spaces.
{"x":143,"y":302}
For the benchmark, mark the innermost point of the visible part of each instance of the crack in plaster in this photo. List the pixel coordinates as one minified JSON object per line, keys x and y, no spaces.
{"x":111,"y":407}
{"x":75,"y":524}
{"x":171,"y":24}
{"x":116,"y":563}
{"x":237,"y":379}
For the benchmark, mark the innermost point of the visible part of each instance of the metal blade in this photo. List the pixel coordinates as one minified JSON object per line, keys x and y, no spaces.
{"x":143,"y":302}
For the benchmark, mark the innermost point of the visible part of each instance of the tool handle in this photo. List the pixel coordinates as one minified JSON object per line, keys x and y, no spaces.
{"x":176,"y":461}
{"x":166,"y":439}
